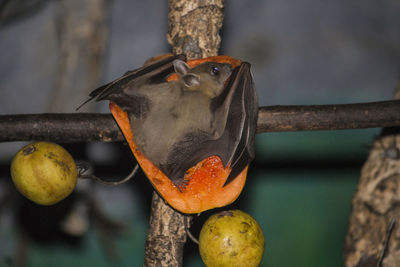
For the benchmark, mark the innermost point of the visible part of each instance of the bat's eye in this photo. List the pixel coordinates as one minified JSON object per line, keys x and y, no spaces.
{"x":214,"y":70}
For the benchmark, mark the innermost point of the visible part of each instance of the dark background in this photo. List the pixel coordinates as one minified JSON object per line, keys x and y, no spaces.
{"x":299,"y":187}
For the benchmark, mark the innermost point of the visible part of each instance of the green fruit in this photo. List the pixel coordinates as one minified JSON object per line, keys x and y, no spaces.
{"x":231,"y":238}
{"x":44,"y":172}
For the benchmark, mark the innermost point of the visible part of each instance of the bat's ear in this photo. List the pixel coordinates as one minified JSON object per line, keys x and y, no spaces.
{"x":191,"y":80}
{"x":180,"y":67}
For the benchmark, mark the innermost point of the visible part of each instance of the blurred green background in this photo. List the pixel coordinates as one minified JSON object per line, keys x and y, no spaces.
{"x":299,"y":189}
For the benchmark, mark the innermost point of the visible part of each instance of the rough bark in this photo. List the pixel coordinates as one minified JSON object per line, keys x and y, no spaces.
{"x":375,"y":205}
{"x":193,"y":30}
{"x":373,"y":238}
{"x":166,"y":235}
{"x":85,"y":127}
{"x":193,"y":27}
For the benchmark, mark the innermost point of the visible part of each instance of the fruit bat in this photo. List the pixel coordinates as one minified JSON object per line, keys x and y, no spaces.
{"x":179,"y":115}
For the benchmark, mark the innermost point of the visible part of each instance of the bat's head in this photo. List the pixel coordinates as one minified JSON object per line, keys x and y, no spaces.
{"x":209,"y":77}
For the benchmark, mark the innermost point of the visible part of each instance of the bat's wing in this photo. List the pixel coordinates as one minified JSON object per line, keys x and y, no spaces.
{"x":241,"y":122}
{"x":235,"y":117}
{"x":156,"y":72}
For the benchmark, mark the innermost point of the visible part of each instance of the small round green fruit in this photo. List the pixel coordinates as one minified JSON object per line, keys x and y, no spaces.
{"x":44,"y":172}
{"x":231,"y":238}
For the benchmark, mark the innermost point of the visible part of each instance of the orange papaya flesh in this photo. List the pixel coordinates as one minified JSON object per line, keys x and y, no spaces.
{"x":205,"y":189}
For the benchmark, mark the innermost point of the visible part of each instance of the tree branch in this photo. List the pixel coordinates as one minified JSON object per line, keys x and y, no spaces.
{"x":328,"y":117}
{"x":193,"y":29}
{"x":79,"y":127}
{"x":86,"y":127}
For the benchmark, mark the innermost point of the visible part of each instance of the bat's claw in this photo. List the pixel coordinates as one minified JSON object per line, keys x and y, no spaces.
{"x":182,"y":184}
{"x":84,"y":168}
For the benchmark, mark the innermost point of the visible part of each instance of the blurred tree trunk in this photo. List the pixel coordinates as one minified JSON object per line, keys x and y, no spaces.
{"x":373,"y":238}
{"x":82,"y":36}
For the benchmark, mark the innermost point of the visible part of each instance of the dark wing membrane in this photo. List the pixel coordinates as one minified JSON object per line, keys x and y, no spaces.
{"x":153,"y":73}
{"x":239,"y":103}
{"x":243,"y":154}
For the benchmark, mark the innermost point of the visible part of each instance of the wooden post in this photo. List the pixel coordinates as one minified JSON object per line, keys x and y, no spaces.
{"x":373,"y":238}
{"x":193,"y":29}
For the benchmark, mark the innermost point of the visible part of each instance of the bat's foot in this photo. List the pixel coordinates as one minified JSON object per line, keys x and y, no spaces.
{"x":182,"y":184}
{"x":85,"y":172}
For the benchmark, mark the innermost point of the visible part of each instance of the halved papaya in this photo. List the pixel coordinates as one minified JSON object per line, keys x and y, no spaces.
{"x":205,"y":189}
